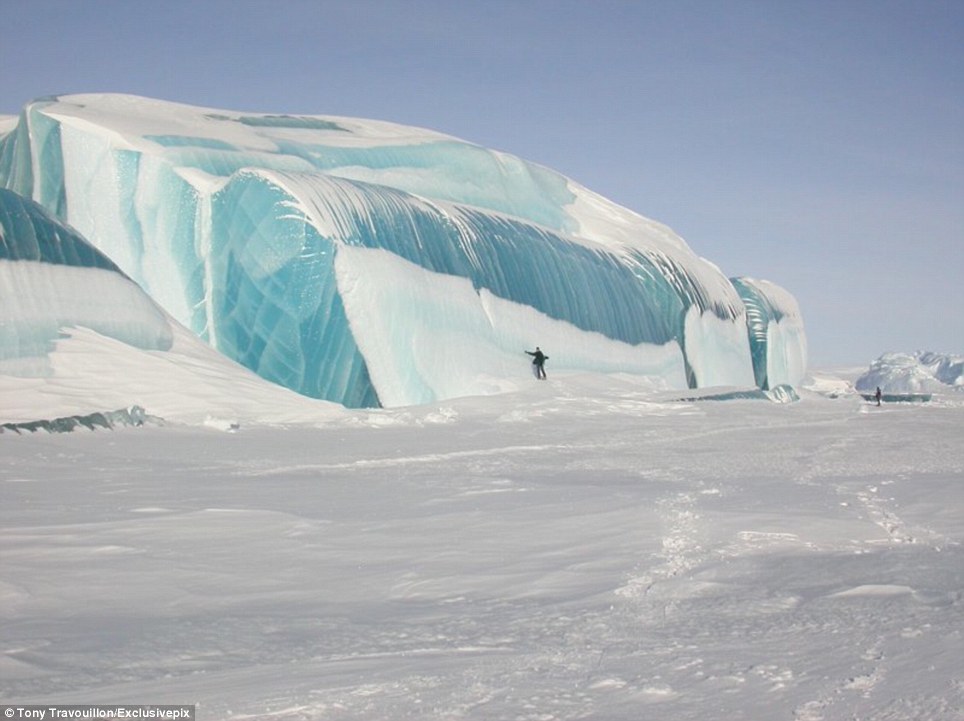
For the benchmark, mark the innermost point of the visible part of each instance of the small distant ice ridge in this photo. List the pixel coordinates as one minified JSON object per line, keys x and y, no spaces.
{"x":919,"y":372}
{"x":375,"y":264}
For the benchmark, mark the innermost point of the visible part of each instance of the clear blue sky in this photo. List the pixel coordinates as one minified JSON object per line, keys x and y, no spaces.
{"x":818,"y":144}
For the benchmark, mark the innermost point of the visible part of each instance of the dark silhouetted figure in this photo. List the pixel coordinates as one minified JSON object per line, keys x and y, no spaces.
{"x":877,"y":395}
{"x":538,"y":361}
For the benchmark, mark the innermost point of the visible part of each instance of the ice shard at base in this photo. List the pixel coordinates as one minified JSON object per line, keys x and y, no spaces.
{"x":370,"y":263}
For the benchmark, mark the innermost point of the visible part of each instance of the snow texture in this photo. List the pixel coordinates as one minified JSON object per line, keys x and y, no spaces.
{"x":585,"y":547}
{"x":286,"y":242}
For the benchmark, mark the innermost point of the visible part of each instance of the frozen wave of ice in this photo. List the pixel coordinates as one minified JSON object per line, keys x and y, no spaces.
{"x":236,"y":223}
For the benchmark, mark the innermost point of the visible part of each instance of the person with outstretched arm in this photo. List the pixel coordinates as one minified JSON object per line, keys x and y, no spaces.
{"x":539,"y":361}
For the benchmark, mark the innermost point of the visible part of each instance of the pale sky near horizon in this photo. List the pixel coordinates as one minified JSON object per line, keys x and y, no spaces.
{"x":817,"y":144}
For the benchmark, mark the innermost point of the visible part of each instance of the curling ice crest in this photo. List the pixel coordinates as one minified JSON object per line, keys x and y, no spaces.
{"x":377,"y":264}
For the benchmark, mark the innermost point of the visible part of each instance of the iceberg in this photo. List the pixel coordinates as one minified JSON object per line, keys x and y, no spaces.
{"x":370,"y":263}
{"x":922,"y":372}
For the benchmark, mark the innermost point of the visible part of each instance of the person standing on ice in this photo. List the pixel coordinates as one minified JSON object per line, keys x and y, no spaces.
{"x":877,"y":395}
{"x":538,"y":361}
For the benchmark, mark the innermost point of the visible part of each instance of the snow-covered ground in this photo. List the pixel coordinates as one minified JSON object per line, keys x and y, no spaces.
{"x":583,"y":548}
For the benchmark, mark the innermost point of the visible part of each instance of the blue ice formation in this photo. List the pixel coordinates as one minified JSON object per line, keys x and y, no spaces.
{"x":775,"y":328}
{"x":133,"y":416}
{"x":51,"y":278}
{"x":30,"y":233}
{"x":375,"y":264}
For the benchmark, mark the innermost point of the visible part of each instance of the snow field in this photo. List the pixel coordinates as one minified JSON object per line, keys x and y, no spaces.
{"x":582,"y":548}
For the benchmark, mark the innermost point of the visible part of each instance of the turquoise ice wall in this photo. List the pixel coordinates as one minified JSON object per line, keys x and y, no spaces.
{"x":232,"y":223}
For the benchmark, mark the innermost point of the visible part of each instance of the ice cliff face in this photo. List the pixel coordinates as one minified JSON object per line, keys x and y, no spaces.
{"x":370,"y":263}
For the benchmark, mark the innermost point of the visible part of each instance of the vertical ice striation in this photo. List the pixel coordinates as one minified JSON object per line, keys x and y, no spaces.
{"x":775,"y":328}
{"x":274,"y":303}
{"x":286,"y":241}
{"x":276,"y":295}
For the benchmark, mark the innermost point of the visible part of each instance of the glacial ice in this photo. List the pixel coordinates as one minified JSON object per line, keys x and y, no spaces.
{"x":778,"y":344}
{"x":778,"y":394}
{"x":370,"y":263}
{"x":913,"y":373}
{"x":133,"y":416}
{"x":51,"y":278}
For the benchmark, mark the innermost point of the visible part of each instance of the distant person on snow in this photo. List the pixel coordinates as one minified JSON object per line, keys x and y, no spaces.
{"x":538,"y":361}
{"x":877,"y":395}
